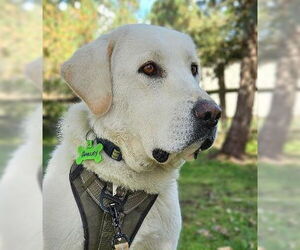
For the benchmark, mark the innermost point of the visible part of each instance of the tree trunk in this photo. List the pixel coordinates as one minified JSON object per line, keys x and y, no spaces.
{"x":237,"y":137}
{"x":220,"y":74}
{"x":274,"y":132}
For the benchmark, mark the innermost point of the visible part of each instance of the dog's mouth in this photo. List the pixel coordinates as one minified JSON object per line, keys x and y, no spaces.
{"x":162,"y":156}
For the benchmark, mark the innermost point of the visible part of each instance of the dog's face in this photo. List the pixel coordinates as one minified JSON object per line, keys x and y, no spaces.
{"x":142,"y":84}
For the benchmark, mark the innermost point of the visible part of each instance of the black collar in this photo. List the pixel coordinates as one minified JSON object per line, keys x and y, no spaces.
{"x":111,"y":149}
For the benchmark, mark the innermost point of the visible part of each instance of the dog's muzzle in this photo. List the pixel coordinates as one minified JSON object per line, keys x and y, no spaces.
{"x":206,"y":115}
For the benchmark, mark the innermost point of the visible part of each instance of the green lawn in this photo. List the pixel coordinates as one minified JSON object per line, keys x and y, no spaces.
{"x":218,"y":202}
{"x":279,"y":202}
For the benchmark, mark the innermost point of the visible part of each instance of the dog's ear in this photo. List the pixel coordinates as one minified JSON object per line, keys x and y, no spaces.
{"x":88,"y":74}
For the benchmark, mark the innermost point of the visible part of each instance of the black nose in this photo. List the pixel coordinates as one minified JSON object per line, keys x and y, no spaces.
{"x":208,"y":112}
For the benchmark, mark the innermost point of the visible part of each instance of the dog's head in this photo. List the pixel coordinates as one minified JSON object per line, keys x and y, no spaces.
{"x":141,"y":83}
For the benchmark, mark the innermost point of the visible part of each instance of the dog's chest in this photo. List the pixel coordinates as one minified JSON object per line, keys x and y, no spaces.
{"x":159,"y":230}
{"x":161,"y":227}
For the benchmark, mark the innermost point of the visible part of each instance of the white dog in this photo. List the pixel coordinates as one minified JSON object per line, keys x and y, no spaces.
{"x":20,"y":185}
{"x":140,"y":87}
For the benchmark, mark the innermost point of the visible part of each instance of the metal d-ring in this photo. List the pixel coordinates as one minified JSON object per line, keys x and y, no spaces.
{"x":91,"y":131}
{"x":106,"y":195}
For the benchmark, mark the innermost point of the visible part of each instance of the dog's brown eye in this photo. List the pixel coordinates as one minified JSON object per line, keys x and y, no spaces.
{"x":194,"y":69}
{"x":149,"y":69}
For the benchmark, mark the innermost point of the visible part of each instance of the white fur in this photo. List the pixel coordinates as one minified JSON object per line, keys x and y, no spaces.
{"x":145,"y":114}
{"x":20,"y":192}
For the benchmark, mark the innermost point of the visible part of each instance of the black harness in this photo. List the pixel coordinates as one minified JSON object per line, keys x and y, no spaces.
{"x":109,"y":221}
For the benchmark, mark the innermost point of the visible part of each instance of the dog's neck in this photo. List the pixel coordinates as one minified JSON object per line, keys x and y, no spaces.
{"x":130,"y":172}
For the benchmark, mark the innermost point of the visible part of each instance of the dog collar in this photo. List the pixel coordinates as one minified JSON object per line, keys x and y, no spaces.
{"x":111,"y":149}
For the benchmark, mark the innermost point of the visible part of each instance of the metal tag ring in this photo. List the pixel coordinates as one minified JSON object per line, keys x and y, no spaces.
{"x":104,"y":195}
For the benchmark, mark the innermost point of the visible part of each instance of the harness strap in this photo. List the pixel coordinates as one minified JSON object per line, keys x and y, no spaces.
{"x":93,"y":196}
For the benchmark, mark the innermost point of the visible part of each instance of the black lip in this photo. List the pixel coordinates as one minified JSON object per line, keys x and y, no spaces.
{"x":196,"y":153}
{"x":160,"y":155}
{"x":200,"y":135}
{"x":206,"y":144}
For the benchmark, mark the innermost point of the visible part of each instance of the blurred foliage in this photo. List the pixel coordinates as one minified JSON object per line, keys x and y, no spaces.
{"x":213,"y":25}
{"x":64,"y":32}
{"x":17,"y":48}
{"x":123,"y":12}
{"x":278,"y":20}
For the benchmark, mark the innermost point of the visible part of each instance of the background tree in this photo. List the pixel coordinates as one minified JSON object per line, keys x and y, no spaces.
{"x":237,"y":137}
{"x":282,"y":16}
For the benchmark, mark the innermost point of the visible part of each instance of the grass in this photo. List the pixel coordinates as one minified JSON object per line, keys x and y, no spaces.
{"x":279,"y":204}
{"x":218,"y":202}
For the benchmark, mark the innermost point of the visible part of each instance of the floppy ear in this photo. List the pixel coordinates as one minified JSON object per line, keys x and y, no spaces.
{"x":87,"y":73}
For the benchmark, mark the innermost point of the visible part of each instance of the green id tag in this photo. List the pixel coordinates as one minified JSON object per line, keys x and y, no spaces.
{"x":90,"y":152}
